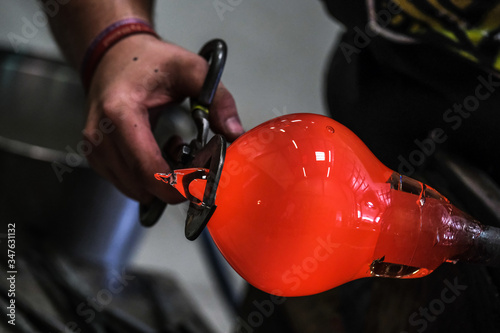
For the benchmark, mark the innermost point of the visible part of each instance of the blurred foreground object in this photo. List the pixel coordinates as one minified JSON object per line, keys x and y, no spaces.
{"x":48,"y":189}
{"x":67,"y":234}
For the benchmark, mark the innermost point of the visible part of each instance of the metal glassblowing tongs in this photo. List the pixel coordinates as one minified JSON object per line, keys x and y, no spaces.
{"x":199,"y":153}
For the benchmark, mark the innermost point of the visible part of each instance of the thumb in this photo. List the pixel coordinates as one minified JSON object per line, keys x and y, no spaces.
{"x":191,"y":72}
{"x":223,"y":115}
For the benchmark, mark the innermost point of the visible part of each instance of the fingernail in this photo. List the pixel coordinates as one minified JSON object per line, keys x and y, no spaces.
{"x":233,"y":125}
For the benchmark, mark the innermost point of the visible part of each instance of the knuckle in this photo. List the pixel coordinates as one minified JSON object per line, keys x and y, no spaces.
{"x":114,"y":106}
{"x":195,"y":65}
{"x":89,"y":132}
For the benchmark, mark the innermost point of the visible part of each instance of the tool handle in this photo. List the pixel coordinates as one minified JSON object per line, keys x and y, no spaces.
{"x":215,"y":53}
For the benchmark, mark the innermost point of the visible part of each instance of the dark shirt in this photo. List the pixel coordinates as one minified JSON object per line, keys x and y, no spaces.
{"x":404,"y":69}
{"x":468,"y":28}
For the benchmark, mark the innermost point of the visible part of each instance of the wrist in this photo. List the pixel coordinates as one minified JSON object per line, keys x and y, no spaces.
{"x":106,"y":39}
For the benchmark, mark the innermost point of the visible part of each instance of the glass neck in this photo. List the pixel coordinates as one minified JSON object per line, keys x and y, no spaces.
{"x":421,"y":229}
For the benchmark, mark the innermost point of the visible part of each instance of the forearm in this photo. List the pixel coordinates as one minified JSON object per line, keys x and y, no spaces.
{"x":78,"y":22}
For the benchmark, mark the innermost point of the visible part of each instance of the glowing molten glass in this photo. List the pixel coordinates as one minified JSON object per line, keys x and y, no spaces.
{"x":303,"y":206}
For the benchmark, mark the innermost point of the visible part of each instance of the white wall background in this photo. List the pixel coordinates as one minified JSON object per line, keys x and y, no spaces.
{"x":278,"y":52}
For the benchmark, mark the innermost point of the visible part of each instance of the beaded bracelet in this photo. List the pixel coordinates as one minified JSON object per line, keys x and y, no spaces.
{"x":106,"y":39}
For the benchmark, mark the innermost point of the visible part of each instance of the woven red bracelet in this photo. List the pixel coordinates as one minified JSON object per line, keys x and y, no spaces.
{"x":106,"y":39}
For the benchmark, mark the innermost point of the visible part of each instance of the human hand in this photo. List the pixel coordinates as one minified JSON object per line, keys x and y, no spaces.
{"x":134,"y":77}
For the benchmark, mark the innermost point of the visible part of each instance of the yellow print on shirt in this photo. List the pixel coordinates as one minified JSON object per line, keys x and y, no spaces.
{"x":470,"y":28}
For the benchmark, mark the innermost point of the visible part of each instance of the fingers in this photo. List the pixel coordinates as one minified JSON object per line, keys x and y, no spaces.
{"x":112,"y":167}
{"x":223,"y":116}
{"x":142,"y":155}
{"x":129,"y":157}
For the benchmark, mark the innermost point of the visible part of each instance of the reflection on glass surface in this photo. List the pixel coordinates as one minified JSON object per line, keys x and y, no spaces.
{"x":303,"y":206}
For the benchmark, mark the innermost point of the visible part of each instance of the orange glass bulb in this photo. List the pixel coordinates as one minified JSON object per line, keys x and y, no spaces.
{"x":303,"y":206}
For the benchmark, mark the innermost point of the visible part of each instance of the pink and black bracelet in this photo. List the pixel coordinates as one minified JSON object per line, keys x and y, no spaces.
{"x":106,"y":39}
